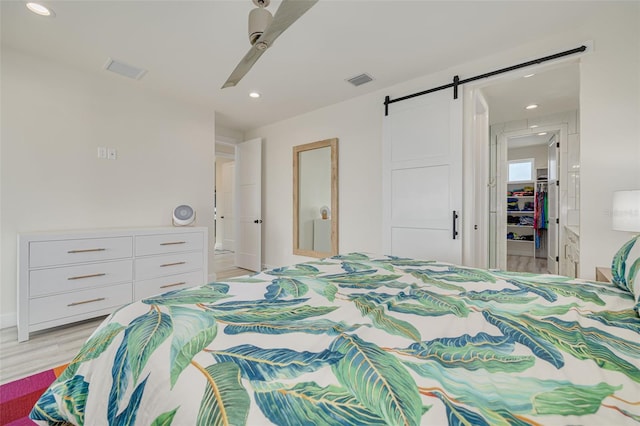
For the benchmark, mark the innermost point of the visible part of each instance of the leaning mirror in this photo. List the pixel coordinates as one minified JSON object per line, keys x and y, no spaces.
{"x":315,"y":199}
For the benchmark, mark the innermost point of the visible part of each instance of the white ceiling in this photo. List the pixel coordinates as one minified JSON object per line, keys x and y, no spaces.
{"x":190,"y":47}
{"x":555,"y":90}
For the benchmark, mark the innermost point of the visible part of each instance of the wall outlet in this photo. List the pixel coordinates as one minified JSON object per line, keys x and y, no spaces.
{"x":112,"y":154}
{"x":102,"y":152}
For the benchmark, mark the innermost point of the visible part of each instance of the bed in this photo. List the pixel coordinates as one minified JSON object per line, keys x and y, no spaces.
{"x":361,"y":339}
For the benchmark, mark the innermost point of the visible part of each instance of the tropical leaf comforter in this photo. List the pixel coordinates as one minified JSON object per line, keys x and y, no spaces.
{"x":358,"y":339}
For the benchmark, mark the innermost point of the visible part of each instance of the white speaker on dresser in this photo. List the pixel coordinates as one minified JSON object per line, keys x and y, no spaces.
{"x":183,"y":215}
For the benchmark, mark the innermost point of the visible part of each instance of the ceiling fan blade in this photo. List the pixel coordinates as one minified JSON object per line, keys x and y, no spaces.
{"x":288,"y":12}
{"x":244,"y":66}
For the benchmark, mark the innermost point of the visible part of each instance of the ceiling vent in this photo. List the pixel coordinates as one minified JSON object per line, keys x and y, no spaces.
{"x":124,"y":69}
{"x":359,"y":80}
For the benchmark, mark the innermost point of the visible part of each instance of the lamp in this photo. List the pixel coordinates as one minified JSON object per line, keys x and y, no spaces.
{"x":626,"y":211}
{"x":626,"y":217}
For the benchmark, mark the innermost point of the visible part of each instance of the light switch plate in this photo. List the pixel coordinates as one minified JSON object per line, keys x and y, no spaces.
{"x":112,"y":154}
{"x":102,"y":152}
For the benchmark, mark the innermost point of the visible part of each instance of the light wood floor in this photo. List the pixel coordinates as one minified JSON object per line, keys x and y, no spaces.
{"x":51,"y":348}
{"x":527,"y":264}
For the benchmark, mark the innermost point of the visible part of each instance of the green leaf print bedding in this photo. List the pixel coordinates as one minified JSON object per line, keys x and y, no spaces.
{"x":361,"y":340}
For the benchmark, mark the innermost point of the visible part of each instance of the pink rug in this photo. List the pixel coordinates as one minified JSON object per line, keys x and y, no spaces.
{"x":18,"y":397}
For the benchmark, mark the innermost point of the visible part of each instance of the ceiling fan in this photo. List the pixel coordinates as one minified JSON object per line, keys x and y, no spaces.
{"x":264,"y":29}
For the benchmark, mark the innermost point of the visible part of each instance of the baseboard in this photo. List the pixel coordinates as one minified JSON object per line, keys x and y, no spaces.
{"x":8,"y":320}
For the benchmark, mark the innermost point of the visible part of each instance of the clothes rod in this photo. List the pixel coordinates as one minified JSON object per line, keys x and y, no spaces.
{"x":457,"y":81}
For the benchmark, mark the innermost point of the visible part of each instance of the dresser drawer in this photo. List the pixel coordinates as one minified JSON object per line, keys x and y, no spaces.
{"x":154,"y":286}
{"x":65,"y":252}
{"x":79,"y":277}
{"x":79,"y":302}
{"x":167,"y":264}
{"x":168,"y":243}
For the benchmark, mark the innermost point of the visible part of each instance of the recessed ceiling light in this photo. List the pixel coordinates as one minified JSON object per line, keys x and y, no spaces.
{"x":542,"y":133}
{"x":254,"y":95}
{"x":532,"y":106}
{"x":529,"y":75}
{"x":40,"y":9}
{"x":533,"y":126}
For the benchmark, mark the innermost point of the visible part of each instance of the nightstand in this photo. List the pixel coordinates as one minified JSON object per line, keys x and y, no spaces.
{"x":603,"y":274}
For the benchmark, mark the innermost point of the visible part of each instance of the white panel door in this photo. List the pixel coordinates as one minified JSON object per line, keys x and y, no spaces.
{"x":227,"y":202}
{"x":552,"y":204}
{"x":248,"y":211}
{"x":422,"y":178}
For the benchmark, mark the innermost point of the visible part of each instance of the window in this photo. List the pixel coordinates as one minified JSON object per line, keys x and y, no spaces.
{"x":521,"y":170}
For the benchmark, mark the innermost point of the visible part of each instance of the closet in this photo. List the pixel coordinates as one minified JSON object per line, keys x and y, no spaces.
{"x":527,"y":207}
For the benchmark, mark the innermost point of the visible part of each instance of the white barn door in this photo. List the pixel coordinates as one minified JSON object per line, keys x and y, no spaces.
{"x":248,"y":211}
{"x":422,"y":178}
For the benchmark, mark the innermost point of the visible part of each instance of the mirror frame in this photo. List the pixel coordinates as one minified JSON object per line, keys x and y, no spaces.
{"x":333,"y":144}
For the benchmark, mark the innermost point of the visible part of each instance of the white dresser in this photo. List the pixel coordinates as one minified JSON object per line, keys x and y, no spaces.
{"x":73,"y":276}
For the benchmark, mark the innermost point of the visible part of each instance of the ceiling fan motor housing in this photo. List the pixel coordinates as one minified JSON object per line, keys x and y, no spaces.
{"x":259,"y":19}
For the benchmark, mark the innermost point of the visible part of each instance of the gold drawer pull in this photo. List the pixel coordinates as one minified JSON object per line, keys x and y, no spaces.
{"x":173,"y":285}
{"x":86,"y":250}
{"x":80,"y":277}
{"x":87,"y":301}
{"x":172,"y":264}
{"x":173,"y":243}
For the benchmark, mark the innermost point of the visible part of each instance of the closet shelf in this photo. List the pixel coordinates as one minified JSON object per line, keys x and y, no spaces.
{"x":522,"y":219}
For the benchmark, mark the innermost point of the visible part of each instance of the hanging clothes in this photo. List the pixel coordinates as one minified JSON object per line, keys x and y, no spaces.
{"x":540,"y":213}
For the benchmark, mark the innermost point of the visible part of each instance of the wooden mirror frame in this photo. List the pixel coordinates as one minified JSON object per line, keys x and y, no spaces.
{"x":333,"y":144}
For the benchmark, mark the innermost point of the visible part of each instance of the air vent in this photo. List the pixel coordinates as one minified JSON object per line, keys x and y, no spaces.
{"x":359,"y":80}
{"x":124,"y":69}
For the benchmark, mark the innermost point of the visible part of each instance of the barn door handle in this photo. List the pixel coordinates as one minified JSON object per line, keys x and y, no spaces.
{"x":455,"y":223}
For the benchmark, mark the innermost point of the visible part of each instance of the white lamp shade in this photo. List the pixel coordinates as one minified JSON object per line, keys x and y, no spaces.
{"x":626,"y":211}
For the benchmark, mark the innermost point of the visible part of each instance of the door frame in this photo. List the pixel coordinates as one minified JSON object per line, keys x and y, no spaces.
{"x":228,"y":184}
{"x":501,"y":186}
{"x":473,"y":240}
{"x":475,"y":174}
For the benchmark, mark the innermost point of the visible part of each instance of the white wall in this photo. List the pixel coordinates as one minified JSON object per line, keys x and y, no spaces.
{"x":610,"y":132}
{"x":537,"y":152}
{"x":359,"y":175}
{"x":53,"y":120}
{"x":610,"y":140}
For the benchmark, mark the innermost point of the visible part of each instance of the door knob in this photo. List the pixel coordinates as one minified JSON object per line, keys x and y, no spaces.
{"x":257,"y":221}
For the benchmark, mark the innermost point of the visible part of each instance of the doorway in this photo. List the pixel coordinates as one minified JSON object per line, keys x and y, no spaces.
{"x":528,"y":218}
{"x":224,"y":201}
{"x":555,"y":91}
